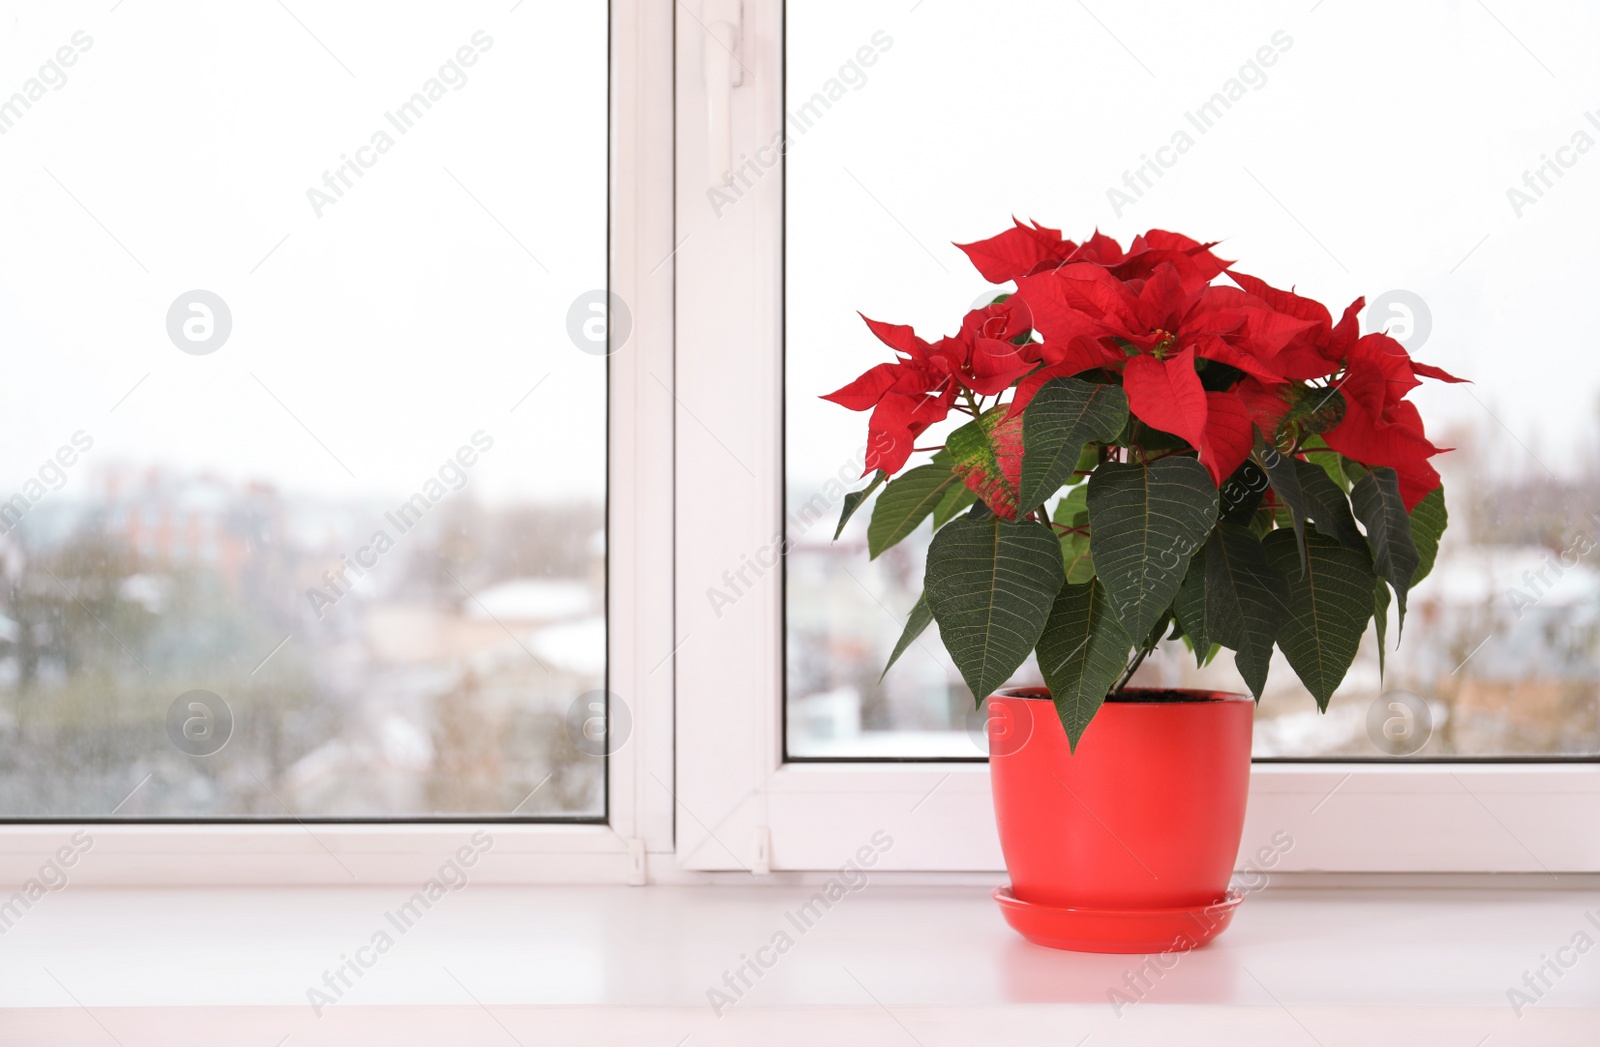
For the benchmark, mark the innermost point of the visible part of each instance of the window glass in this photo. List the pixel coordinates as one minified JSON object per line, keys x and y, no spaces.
{"x":304,"y":438}
{"x":1439,"y":158}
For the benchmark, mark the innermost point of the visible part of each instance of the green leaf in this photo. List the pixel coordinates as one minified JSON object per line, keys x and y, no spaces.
{"x":1242,"y":492}
{"x":1075,"y":554}
{"x":1380,"y":620}
{"x":1320,"y":454}
{"x":1377,"y":501}
{"x":905,"y":503}
{"x":1145,"y":523}
{"x":1073,"y":511}
{"x":1088,"y":459}
{"x":1428,"y":521}
{"x":1065,"y":414}
{"x":1329,"y":507}
{"x":1328,"y":608}
{"x":1246,"y":600}
{"x":1286,"y":484}
{"x":919,"y":620}
{"x":955,"y":501}
{"x":1190,"y":607}
{"x":990,"y":583}
{"x":1158,"y":632}
{"x":1081,"y":653}
{"x":853,"y":500}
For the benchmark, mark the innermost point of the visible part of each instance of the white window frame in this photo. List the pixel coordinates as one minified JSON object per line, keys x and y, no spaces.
{"x":639,"y":597}
{"x":740,"y":805}
{"x":701,"y":790}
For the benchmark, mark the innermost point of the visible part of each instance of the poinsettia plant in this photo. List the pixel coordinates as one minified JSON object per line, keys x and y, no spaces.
{"x":1149,"y":453}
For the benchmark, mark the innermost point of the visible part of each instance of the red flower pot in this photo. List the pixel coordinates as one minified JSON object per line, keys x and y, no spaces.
{"x":1126,"y":845}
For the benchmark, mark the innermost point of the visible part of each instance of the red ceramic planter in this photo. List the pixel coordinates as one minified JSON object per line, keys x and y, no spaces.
{"x":1126,"y":845}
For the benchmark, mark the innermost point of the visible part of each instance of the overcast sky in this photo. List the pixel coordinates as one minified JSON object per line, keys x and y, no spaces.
{"x":1375,"y":156}
{"x":416,"y":310}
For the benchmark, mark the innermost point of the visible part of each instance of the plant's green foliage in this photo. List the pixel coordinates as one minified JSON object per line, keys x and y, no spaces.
{"x":1158,"y":632}
{"x":1082,"y":651}
{"x":956,"y":501}
{"x":1380,"y":621}
{"x":1189,"y":606}
{"x":1145,"y":523}
{"x":1242,"y":492}
{"x":1377,"y":501}
{"x":1088,"y":459}
{"x":1286,"y":485}
{"x":1073,"y":511}
{"x":1428,"y":520}
{"x":1329,"y":605}
{"x":1319,"y":453}
{"x":921,"y":617}
{"x":1080,"y":567}
{"x":1329,"y":507}
{"x":1246,"y":599}
{"x":853,"y":500}
{"x":990,"y":584}
{"x":1065,"y":414}
{"x":905,"y":503}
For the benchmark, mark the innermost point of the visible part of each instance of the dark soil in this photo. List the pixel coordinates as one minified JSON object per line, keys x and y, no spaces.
{"x":1139,"y":695}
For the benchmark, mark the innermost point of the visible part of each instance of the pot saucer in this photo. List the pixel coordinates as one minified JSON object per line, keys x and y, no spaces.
{"x":1117,"y":930}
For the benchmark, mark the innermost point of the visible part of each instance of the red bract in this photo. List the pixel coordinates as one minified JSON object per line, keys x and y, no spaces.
{"x":1319,"y":350}
{"x":983,"y":356}
{"x":918,"y":389}
{"x":1209,"y":364}
{"x":1019,"y":251}
{"x":1027,"y":250}
{"x":1381,"y":427}
{"x":905,"y":397}
{"x":1155,"y":330}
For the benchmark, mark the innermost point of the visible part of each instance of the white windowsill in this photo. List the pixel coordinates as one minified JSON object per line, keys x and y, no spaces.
{"x":888,"y":964}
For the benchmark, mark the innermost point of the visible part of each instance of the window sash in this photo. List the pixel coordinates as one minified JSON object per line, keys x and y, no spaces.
{"x":741,"y":806}
{"x":638,"y":598}
{"x":708,"y":423}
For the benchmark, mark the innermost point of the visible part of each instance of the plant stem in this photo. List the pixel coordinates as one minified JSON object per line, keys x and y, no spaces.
{"x":1144,"y":652}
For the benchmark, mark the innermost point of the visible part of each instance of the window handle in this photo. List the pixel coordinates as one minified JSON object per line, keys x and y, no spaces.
{"x":723,"y":72}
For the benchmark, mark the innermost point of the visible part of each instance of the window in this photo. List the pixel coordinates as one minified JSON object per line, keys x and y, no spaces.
{"x":305,"y":453}
{"x":570,"y":371}
{"x":867,"y":136}
{"x":1293,"y":140}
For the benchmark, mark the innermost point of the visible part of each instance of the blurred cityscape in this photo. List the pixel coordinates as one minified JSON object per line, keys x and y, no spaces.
{"x":438,"y":679}
{"x":435,"y":681}
{"x":1501,"y":641}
